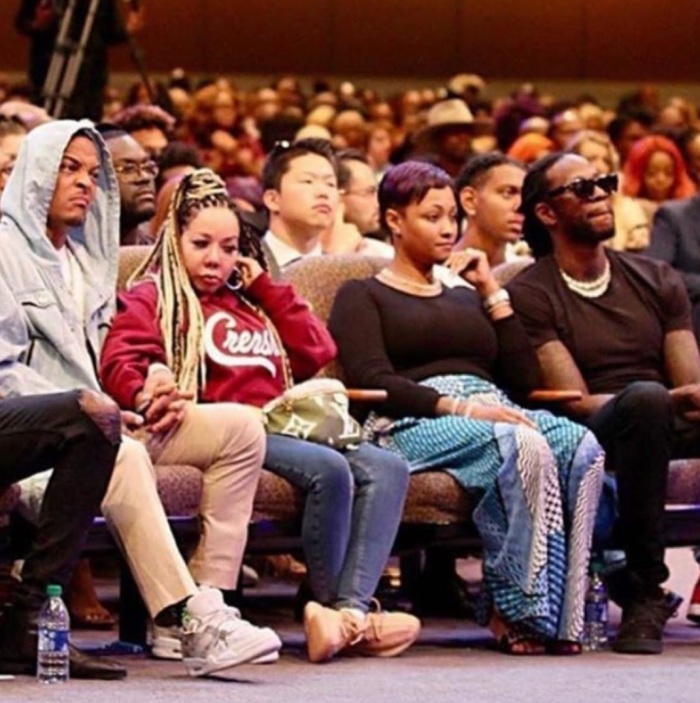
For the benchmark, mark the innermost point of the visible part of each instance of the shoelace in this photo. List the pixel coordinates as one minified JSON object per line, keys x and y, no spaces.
{"x":353,"y":630}
{"x":374,"y":622}
{"x":225,"y":625}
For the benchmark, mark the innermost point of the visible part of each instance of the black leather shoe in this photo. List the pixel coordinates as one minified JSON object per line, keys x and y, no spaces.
{"x":84,"y":666}
{"x":18,"y":643}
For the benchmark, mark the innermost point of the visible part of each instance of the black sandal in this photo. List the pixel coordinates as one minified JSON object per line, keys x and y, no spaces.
{"x":564,"y":648}
{"x":520,"y":645}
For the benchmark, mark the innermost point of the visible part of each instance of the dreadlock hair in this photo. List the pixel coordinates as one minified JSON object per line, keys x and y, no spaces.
{"x":535,"y":189}
{"x":179,"y":310}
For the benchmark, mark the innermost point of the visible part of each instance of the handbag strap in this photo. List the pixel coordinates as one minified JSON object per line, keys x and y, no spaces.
{"x":286,"y":365}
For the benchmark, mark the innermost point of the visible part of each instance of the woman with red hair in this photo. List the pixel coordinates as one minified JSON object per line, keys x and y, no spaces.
{"x":655,"y":172}
{"x":530,"y":147}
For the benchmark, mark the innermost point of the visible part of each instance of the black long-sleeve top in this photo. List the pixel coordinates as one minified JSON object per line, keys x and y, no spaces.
{"x":392,"y":340}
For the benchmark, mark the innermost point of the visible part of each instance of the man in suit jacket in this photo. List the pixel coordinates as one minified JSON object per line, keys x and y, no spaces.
{"x":675,"y":238}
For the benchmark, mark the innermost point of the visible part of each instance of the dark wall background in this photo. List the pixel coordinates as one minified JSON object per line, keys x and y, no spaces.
{"x":506,"y":39}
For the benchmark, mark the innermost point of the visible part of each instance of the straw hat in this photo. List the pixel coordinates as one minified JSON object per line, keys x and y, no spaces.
{"x":443,"y":115}
{"x":462,"y":82}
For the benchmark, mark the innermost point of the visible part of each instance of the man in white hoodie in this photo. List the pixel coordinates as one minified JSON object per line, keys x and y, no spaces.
{"x":59,"y":237}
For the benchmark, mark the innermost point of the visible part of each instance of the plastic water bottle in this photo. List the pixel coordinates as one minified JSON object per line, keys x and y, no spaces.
{"x":53,"y":659}
{"x":595,"y":621}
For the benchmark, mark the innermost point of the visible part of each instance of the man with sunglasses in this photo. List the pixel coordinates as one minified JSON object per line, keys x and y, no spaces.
{"x":136,"y":175}
{"x":616,"y":327}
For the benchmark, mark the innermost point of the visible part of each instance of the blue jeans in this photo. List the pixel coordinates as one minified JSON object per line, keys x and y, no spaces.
{"x":352,"y":512}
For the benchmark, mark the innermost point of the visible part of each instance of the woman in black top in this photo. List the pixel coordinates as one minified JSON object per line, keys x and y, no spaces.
{"x":443,"y":354}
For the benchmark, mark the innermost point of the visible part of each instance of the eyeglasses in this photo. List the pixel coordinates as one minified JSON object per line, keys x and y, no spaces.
{"x":584,"y":188}
{"x":370,"y":192}
{"x":131,"y":170}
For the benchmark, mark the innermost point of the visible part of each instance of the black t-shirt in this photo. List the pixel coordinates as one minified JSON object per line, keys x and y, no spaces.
{"x":391,"y":340}
{"x":617,"y":338}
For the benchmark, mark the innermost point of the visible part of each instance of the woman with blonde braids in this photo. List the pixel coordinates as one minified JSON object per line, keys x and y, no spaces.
{"x":224,"y":331}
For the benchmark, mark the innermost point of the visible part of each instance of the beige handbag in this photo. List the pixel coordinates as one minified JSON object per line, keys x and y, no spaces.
{"x":316,"y":411}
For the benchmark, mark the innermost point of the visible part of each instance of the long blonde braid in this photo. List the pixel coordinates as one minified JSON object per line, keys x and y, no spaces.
{"x":179,"y":310}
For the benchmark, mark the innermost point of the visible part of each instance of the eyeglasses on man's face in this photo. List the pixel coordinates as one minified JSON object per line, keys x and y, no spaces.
{"x":133,"y":170}
{"x":585,"y":188}
{"x":369,"y":192}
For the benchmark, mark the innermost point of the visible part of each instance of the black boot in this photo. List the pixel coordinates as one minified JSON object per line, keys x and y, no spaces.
{"x":18,"y":644}
{"x":642,"y":626}
{"x":622,"y":591}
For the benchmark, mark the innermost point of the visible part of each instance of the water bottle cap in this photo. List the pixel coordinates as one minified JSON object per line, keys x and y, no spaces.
{"x":54,"y":590}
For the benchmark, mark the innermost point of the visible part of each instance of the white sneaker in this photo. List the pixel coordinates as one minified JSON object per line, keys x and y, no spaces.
{"x":216,"y":638}
{"x":166,"y":643}
{"x":249,"y":576}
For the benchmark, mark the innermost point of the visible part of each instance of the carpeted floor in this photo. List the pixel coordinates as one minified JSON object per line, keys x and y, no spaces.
{"x":452,"y":662}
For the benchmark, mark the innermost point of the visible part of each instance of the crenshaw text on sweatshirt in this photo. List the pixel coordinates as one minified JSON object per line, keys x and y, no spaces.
{"x":243,"y":360}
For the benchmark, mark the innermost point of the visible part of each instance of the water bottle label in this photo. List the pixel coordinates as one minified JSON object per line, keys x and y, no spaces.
{"x":53,"y":641}
{"x":596,"y":612}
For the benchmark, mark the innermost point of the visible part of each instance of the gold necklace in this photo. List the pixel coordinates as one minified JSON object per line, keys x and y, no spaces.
{"x":408,"y":285}
{"x":588,"y":289}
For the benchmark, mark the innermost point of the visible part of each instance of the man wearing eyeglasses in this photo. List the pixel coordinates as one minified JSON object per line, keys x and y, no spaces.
{"x":358,"y":192}
{"x":356,"y":226}
{"x":136,"y":174}
{"x":615,"y":326}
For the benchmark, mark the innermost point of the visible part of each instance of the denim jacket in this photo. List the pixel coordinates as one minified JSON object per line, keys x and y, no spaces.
{"x":44,"y":344}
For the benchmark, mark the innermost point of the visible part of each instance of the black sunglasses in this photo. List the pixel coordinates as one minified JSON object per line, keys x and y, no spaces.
{"x":584,"y":188}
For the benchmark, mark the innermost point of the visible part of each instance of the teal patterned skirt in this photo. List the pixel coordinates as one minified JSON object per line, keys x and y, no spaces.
{"x":536,"y":517}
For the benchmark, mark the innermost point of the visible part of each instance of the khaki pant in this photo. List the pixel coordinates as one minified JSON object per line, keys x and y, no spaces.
{"x":227,"y":443}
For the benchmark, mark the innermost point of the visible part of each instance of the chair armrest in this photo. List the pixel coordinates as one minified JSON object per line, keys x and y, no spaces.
{"x":365,"y":395}
{"x":547,"y":396}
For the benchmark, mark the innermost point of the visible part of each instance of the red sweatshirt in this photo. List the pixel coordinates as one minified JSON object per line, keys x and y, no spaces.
{"x":242,"y":357}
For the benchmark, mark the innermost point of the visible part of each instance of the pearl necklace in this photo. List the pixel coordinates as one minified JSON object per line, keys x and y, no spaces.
{"x":589,"y":289}
{"x":408,"y":285}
